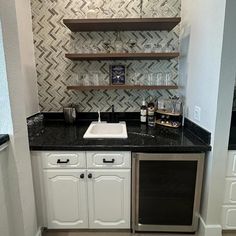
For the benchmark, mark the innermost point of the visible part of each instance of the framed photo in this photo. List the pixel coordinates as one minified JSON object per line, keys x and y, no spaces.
{"x":117,"y":74}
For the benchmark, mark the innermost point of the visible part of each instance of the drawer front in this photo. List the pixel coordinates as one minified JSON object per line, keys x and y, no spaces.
{"x":108,"y":160}
{"x":229,"y":217}
{"x":231,"y":168}
{"x":230,"y":191}
{"x":64,"y":160}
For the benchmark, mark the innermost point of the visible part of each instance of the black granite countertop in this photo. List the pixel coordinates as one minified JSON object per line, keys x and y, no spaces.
{"x":56,"y":135}
{"x":4,"y":138}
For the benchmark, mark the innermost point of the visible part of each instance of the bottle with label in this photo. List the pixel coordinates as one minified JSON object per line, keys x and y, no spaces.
{"x":143,"y":112}
{"x":151,"y":114}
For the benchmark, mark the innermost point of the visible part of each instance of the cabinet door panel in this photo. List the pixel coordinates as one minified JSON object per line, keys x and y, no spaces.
{"x":66,"y":197}
{"x":229,"y":217}
{"x":231,"y":168}
{"x":109,"y":199}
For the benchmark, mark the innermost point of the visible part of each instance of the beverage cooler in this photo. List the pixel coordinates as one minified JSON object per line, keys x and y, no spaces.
{"x":166,"y":191}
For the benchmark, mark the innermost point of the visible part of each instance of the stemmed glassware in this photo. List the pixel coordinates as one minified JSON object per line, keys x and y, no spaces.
{"x":132,"y":43}
{"x":118,"y":43}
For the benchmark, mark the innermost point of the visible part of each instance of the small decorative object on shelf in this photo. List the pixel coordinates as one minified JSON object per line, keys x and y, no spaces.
{"x":117,"y":74}
{"x":169,"y":112}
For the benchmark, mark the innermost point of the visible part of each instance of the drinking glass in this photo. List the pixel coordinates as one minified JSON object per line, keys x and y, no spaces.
{"x":84,"y":80}
{"x":107,"y":46}
{"x":168,"y":78}
{"x":157,"y":47}
{"x":158,"y":78}
{"x":149,"y":79}
{"x":165,"y":10}
{"x":169,"y":48}
{"x":132,"y":43}
{"x":95,"y":78}
{"x":148,"y":48}
{"x":118,"y":43}
{"x":137,"y":78}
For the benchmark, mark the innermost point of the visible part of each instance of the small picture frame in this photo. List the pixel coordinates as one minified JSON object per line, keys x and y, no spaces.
{"x":117,"y":74}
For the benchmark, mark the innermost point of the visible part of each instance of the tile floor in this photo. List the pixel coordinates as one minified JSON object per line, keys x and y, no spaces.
{"x":92,"y":233}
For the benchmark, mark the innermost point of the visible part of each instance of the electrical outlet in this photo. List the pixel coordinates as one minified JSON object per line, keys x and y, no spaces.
{"x":197,"y":113}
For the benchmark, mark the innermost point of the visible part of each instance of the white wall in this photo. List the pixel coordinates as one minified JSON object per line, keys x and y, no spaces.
{"x":22,"y":208}
{"x":5,"y":111}
{"x":24,"y":22}
{"x":208,"y":63}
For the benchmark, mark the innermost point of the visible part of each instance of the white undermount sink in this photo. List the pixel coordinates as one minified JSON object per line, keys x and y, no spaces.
{"x":106,"y":130}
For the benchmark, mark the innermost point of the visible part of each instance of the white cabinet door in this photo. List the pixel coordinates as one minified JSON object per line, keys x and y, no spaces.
{"x":109,"y":198}
{"x":66,"y":198}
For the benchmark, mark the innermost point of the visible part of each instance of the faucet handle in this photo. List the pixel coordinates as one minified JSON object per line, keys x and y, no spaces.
{"x":112,"y":108}
{"x":99,"y":116}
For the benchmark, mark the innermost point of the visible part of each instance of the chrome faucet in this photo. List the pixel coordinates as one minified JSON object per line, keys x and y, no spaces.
{"x":99,"y":116}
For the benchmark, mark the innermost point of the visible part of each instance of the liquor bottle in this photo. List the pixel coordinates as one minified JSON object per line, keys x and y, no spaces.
{"x":143,"y":112}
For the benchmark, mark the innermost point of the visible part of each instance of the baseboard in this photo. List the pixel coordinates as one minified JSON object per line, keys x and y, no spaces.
{"x":208,"y":230}
{"x":39,"y":232}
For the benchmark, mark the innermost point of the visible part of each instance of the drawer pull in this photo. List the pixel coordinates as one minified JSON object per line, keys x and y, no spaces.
{"x":62,"y":162}
{"x":90,"y":176}
{"x":105,"y":161}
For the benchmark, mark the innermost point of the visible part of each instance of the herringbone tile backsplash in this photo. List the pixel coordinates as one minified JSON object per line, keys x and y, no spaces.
{"x":53,"y":39}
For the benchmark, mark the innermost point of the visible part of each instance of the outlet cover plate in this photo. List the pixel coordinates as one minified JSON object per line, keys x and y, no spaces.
{"x":197,"y":113}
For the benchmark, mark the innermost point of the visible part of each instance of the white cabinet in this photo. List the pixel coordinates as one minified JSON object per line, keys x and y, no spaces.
{"x":229,"y":204}
{"x":109,"y":198}
{"x":82,"y":189}
{"x":66,"y":198}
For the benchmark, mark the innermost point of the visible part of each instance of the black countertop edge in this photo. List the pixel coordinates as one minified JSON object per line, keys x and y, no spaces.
{"x":160,"y":149}
{"x":198,"y":131}
{"x":4,"y":138}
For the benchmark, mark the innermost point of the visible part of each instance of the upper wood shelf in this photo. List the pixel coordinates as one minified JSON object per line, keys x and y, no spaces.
{"x":122,"y":56}
{"x":122,"y":24}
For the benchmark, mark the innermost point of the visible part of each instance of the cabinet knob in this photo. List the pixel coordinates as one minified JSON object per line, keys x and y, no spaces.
{"x":82,"y":176}
{"x":90,"y":176}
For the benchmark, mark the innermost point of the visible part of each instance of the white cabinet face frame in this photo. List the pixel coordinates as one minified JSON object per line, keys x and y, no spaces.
{"x":66,"y":199}
{"x":109,"y":199}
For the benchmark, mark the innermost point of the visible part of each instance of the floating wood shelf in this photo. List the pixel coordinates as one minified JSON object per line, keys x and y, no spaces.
{"x":112,"y":87}
{"x":122,"y":24}
{"x":122,"y":56}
